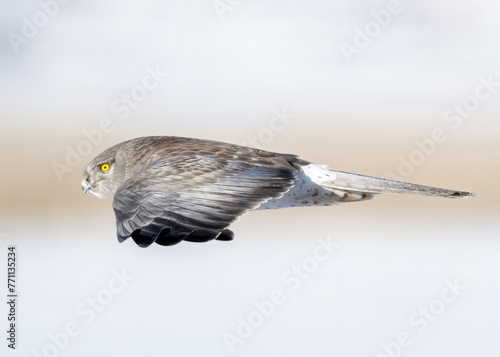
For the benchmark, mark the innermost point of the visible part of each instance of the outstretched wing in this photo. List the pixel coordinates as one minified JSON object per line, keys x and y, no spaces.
{"x":194,"y":198}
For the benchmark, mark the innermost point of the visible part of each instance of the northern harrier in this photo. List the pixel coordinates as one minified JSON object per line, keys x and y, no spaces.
{"x":168,"y":189}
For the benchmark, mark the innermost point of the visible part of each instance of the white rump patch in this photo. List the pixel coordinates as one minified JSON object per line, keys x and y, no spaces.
{"x":304,"y":193}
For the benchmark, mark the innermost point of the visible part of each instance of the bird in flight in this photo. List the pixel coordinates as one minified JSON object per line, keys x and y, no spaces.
{"x":169,"y":189}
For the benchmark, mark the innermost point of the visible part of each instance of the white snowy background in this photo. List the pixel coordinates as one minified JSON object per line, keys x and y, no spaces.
{"x":65,"y":73}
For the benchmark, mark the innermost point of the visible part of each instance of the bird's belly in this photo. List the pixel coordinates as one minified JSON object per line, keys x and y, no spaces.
{"x":304,"y":193}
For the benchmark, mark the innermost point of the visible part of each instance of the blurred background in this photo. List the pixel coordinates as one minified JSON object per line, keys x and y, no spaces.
{"x":398,"y":89}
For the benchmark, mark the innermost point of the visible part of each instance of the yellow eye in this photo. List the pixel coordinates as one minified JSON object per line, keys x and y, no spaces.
{"x":104,"y":167}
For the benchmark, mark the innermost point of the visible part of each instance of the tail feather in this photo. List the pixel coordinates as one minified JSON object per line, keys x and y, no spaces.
{"x":340,"y":180}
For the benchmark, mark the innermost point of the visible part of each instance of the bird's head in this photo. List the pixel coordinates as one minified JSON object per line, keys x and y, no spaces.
{"x":102,"y":176}
{"x":108,"y":170}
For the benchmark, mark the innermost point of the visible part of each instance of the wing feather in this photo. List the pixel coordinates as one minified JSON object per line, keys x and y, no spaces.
{"x":195,"y":197}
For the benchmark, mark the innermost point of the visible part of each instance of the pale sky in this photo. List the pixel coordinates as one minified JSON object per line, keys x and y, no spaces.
{"x":259,"y":56}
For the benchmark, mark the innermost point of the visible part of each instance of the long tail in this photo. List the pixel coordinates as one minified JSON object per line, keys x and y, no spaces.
{"x":346,"y":181}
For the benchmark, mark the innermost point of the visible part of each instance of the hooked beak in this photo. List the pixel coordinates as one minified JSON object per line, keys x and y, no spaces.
{"x":86,"y":186}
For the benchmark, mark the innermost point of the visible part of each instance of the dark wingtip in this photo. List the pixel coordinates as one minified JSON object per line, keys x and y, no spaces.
{"x":121,"y":238}
{"x":166,"y":237}
{"x":142,"y":238}
{"x":226,"y":235}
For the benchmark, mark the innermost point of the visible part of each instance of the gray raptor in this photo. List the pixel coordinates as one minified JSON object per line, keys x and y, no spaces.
{"x":169,"y":189}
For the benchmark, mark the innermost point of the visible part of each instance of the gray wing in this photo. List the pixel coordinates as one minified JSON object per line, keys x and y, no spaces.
{"x":194,"y":198}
